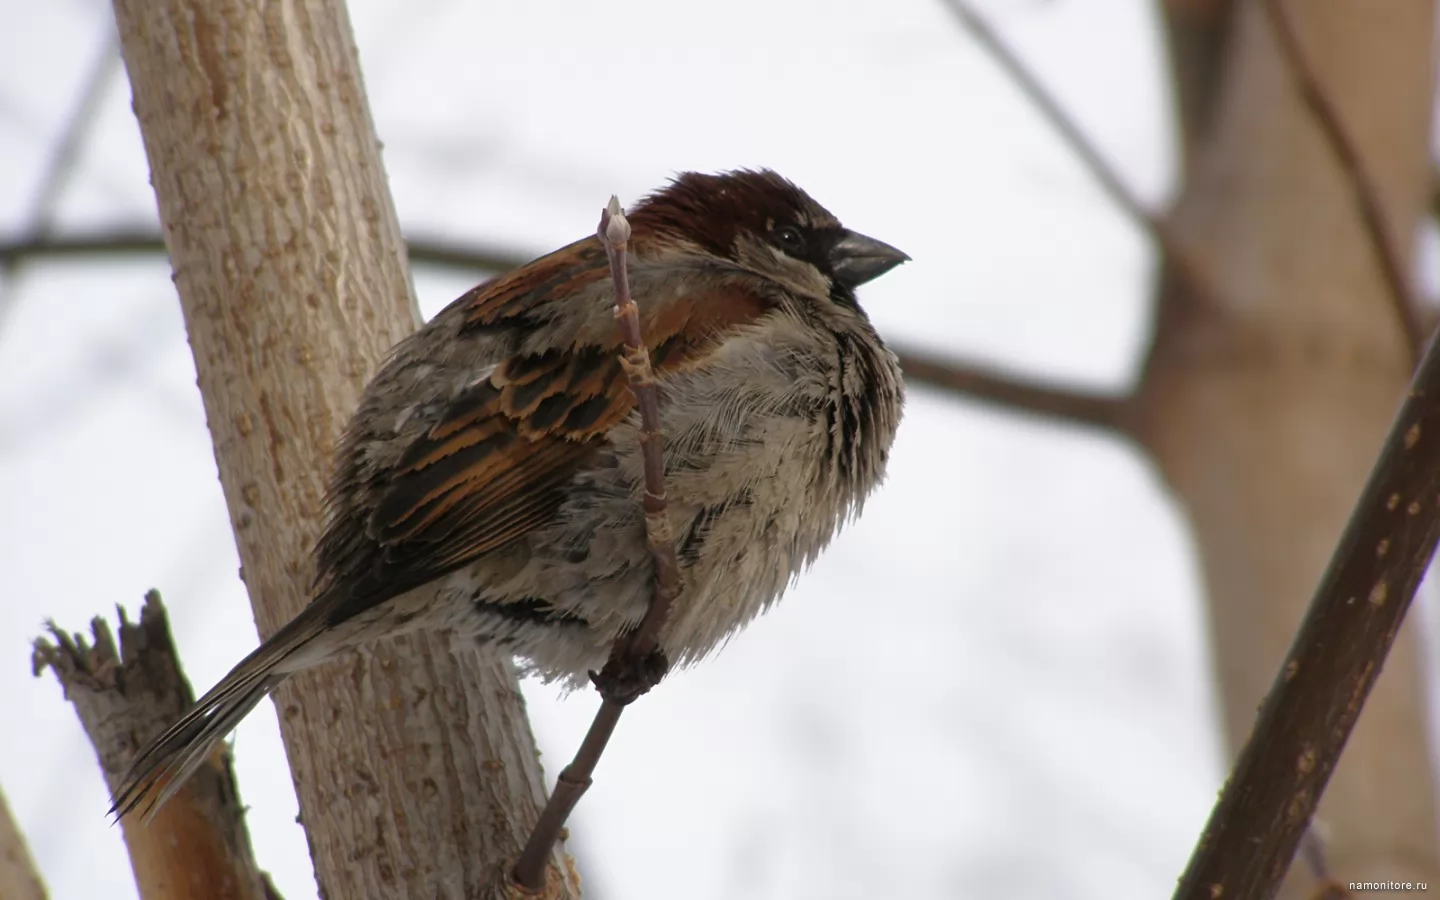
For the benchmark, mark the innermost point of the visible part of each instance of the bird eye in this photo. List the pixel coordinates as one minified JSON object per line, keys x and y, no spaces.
{"x":789,"y":239}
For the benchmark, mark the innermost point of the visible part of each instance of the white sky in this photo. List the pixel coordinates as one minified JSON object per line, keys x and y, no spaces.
{"x":992,"y":686}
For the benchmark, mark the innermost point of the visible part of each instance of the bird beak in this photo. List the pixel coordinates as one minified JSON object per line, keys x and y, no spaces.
{"x":856,"y":259}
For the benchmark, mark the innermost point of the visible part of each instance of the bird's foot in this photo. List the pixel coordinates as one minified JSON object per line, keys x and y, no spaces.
{"x":630,"y":673}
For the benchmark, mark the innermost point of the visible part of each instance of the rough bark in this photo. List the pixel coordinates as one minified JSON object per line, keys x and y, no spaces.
{"x":1265,"y":410}
{"x":19,"y":879}
{"x":414,"y":763}
{"x":197,"y":847}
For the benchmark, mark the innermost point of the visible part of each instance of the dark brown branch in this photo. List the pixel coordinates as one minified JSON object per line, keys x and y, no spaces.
{"x":1317,"y":695}
{"x":126,"y":696}
{"x":1114,"y":412}
{"x":636,"y":662}
{"x":1090,"y":156}
{"x":19,"y":879}
{"x":1367,"y":195}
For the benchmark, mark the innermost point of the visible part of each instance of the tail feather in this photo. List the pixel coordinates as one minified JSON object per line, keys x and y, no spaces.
{"x":167,"y":762}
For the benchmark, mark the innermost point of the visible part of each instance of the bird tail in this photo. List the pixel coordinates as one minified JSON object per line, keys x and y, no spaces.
{"x":168,"y":761}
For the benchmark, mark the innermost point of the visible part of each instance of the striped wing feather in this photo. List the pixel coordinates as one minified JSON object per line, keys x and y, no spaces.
{"x":494,"y":466}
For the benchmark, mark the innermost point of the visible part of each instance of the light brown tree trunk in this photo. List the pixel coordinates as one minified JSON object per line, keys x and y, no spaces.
{"x":1265,"y":411}
{"x":19,"y":880}
{"x":127,"y":688}
{"x":415,"y":766}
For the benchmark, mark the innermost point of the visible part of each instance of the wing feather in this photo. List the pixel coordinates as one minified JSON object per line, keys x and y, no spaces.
{"x":494,"y":464}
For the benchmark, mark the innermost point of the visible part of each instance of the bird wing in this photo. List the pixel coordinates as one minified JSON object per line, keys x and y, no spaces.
{"x":496,"y":463}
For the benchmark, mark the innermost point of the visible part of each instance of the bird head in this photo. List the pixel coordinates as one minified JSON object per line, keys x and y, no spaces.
{"x":761,"y":223}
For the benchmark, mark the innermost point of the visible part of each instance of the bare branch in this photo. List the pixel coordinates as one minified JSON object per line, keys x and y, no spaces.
{"x":1090,"y":156}
{"x":921,"y":367}
{"x":19,"y":879}
{"x":118,"y":242}
{"x":1367,"y":194}
{"x":125,"y":696}
{"x":1053,"y":113}
{"x":140,"y":241}
{"x":429,"y":251}
{"x":644,"y":640}
{"x":636,"y":663}
{"x":1339,"y":651}
{"x":1114,"y":412}
{"x":62,"y":160}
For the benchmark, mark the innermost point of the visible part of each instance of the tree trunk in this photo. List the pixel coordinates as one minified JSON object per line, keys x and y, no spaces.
{"x":1265,"y":410}
{"x":417,"y":773}
{"x":127,"y":688}
{"x":19,"y":880}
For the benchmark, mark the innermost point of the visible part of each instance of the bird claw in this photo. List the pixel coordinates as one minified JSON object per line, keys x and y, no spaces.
{"x":629,"y":675}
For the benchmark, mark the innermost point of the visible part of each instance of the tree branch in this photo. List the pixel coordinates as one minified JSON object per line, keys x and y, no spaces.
{"x":144,"y":240}
{"x":125,"y":697}
{"x":634,"y":666}
{"x":1332,"y":665}
{"x":62,"y":160}
{"x":1090,"y":156}
{"x":19,"y":879}
{"x":1367,"y":195}
{"x":644,"y":640}
{"x":1114,"y":412}
{"x":921,"y":366}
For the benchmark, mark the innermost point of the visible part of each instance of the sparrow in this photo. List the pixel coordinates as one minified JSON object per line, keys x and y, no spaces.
{"x":491,"y":480}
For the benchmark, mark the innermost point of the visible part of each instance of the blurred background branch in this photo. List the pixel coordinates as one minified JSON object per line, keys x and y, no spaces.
{"x":929,"y":368}
{"x":1388,"y":254}
{"x":1075,"y":139}
{"x":50,"y":187}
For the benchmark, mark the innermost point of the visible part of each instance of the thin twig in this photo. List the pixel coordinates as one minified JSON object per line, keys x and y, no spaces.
{"x":1113,"y":412}
{"x":1090,"y":156}
{"x":1367,"y":195}
{"x":615,"y":232}
{"x":1339,"y":651}
{"x":634,"y":651}
{"x":63,"y":159}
